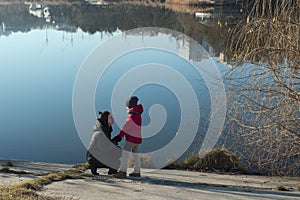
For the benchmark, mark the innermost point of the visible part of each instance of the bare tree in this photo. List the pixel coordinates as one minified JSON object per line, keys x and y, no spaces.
{"x":264,"y":86}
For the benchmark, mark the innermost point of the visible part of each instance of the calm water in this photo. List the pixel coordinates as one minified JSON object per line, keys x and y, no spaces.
{"x":41,"y":55}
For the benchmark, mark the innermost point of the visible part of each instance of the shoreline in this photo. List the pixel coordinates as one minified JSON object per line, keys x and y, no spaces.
{"x":137,"y":2}
{"x":175,"y":7}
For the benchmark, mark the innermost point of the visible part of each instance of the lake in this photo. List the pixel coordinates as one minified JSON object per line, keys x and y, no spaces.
{"x":43,"y":50}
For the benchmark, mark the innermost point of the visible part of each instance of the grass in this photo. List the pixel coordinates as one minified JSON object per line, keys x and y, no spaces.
{"x":218,"y":160}
{"x":7,"y":164}
{"x":26,"y":190}
{"x":38,"y":183}
{"x":81,"y":167}
{"x":281,"y":188}
{"x":171,"y":164}
{"x":11,"y":171}
{"x":298,"y":188}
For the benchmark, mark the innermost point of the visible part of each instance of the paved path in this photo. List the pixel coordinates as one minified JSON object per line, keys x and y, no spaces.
{"x":160,"y":184}
{"x":166,"y":184}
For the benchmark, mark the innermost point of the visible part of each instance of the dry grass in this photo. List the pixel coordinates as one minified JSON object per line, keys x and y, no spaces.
{"x":27,"y":190}
{"x":7,"y":164}
{"x":38,"y":183}
{"x":218,"y":160}
{"x":11,"y":171}
{"x":81,"y":167}
{"x":171,"y":164}
{"x":281,"y":188}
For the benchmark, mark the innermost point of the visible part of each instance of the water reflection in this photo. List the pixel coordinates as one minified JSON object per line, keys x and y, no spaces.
{"x":40,"y":54}
{"x":94,"y":19}
{"x":39,"y":10}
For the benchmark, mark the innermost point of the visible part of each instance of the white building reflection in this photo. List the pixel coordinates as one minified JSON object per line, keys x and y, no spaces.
{"x":39,"y":10}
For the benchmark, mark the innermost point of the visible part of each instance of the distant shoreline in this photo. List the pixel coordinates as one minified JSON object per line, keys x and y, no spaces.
{"x":177,"y":7}
{"x":135,"y":2}
{"x":2,"y":160}
{"x":53,"y":2}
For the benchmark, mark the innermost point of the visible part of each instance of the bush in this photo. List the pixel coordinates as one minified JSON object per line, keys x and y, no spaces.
{"x":7,"y":164}
{"x":5,"y":170}
{"x":218,"y":160}
{"x":173,"y":165}
{"x":281,"y":188}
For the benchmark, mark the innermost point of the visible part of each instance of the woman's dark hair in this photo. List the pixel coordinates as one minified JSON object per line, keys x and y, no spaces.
{"x":103,"y":118}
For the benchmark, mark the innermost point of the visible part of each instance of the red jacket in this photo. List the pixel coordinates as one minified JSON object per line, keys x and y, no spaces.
{"x":133,"y":125}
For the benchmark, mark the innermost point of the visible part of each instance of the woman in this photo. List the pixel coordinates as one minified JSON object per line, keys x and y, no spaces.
{"x":102,"y":153}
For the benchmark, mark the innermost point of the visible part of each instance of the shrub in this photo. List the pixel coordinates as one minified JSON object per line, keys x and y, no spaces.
{"x":5,"y":170}
{"x":218,"y":160}
{"x":171,"y":164}
{"x":7,"y":164}
{"x":281,"y":188}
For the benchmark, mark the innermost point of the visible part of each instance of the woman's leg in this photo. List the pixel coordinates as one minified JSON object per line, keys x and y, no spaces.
{"x":92,"y":162}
